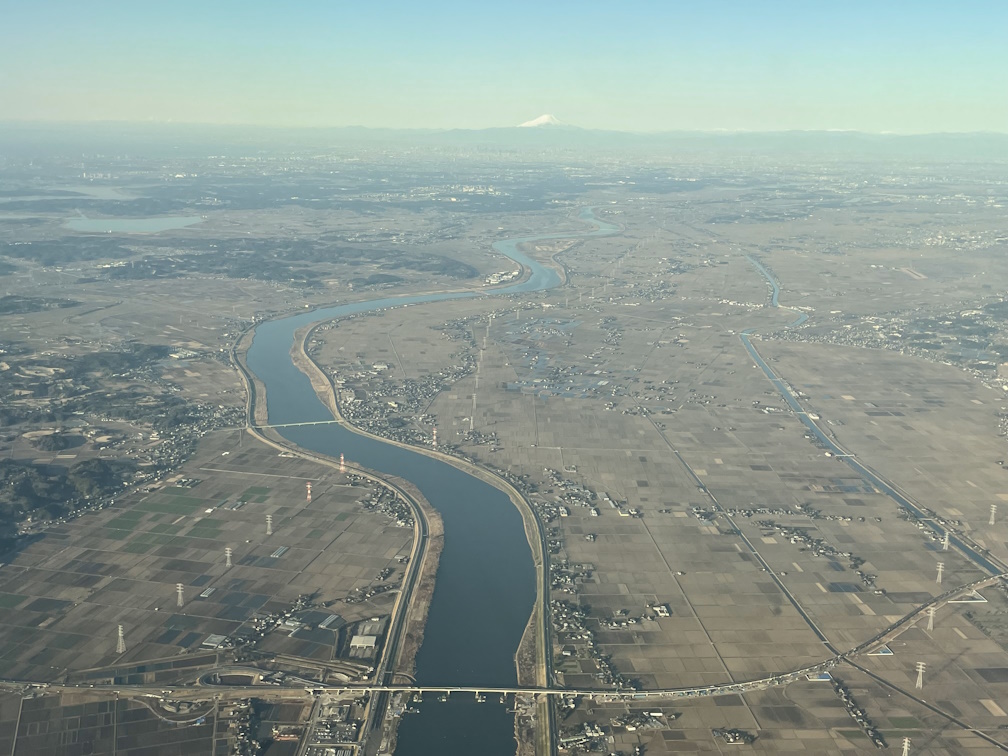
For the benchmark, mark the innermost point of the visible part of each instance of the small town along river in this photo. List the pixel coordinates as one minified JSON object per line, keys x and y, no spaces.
{"x":485,"y":587}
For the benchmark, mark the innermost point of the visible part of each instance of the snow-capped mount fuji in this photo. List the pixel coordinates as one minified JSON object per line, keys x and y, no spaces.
{"x":543,"y":120}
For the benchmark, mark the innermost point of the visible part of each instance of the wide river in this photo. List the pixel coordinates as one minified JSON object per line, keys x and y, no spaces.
{"x":485,"y":587}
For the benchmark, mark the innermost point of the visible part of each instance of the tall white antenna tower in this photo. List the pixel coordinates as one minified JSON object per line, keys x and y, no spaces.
{"x":435,"y":438}
{"x":269,"y":524}
{"x":945,"y":541}
{"x":342,"y":464}
{"x":227,"y":556}
{"x":941,"y":569}
{"x":993,"y":512}
{"x":308,"y":488}
{"x":931,"y":614}
{"x":920,"y":675}
{"x":906,"y":746}
{"x":121,"y":643}
{"x":179,"y":588}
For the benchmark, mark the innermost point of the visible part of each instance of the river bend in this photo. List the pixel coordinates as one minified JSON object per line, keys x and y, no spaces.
{"x":485,"y":587}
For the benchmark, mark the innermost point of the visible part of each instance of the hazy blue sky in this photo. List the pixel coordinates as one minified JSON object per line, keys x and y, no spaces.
{"x":753,"y":64}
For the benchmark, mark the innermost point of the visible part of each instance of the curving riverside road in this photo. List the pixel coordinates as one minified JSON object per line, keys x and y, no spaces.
{"x":486,"y":582}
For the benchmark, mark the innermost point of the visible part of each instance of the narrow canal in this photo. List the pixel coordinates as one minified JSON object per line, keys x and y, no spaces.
{"x":485,"y":587}
{"x":971,"y":553}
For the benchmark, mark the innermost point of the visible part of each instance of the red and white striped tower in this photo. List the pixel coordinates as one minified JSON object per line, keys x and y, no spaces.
{"x":342,"y":466}
{"x":308,"y":486}
{"x":435,"y":438}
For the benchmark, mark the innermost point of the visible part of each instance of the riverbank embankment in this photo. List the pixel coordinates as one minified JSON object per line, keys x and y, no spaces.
{"x":428,"y":536}
{"x":531,"y":657}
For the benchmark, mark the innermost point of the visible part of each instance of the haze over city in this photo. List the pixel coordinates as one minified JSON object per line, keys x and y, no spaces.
{"x":906,"y":67}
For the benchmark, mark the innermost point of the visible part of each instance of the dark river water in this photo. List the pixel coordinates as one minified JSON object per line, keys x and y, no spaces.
{"x":485,"y":586}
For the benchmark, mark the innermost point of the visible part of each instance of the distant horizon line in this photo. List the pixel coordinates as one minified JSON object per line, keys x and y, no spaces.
{"x":4,"y":123}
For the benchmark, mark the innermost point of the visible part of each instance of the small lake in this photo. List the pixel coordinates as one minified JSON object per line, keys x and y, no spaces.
{"x":131,"y":225}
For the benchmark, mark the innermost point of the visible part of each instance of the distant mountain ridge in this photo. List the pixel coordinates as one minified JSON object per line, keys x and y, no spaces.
{"x":545,"y":133}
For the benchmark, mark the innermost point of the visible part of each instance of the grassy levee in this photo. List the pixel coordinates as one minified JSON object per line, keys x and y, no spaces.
{"x":257,"y":414}
{"x":534,"y":531}
{"x":425,"y":551}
